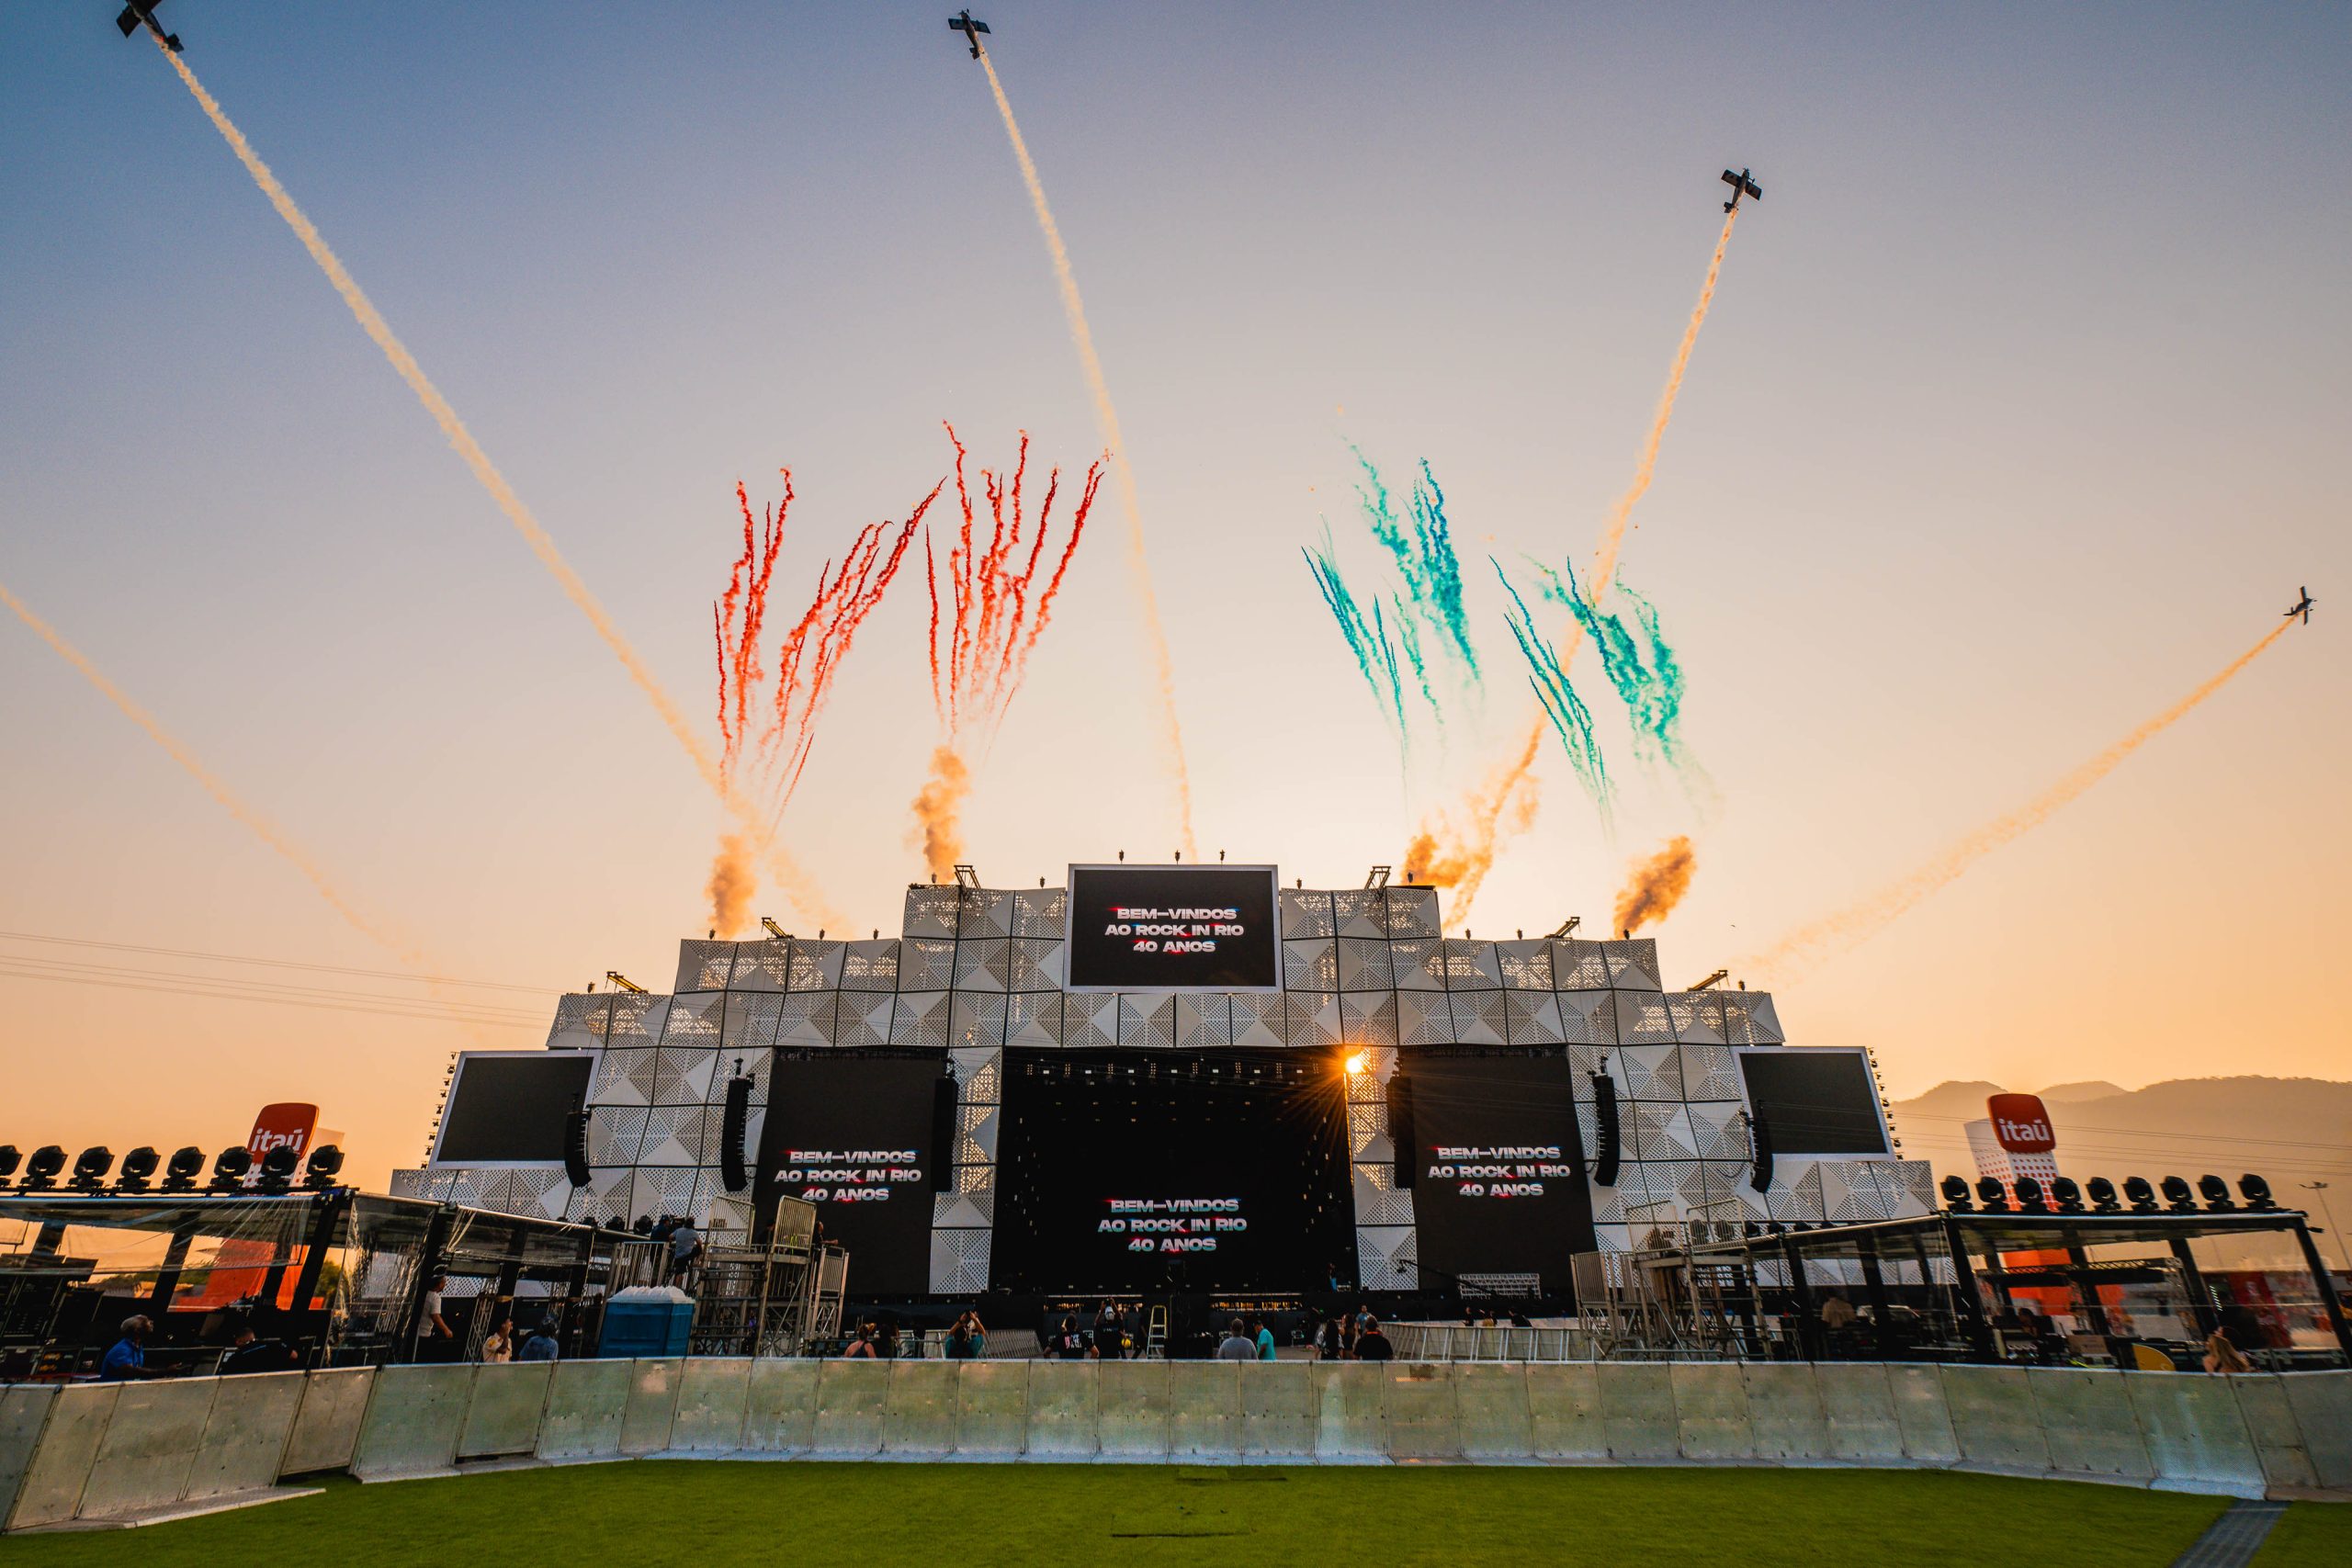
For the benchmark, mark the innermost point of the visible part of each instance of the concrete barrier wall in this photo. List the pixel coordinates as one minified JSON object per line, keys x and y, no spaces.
{"x":100,"y":1452}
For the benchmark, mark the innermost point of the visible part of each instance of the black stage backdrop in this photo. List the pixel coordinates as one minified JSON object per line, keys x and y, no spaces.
{"x":851,"y":1132}
{"x":1150,"y":1170}
{"x":511,"y":1107}
{"x":1501,"y":1186}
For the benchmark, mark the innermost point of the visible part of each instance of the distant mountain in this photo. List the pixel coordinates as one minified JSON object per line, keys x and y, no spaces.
{"x":2097,"y":1089}
{"x":2290,"y":1131}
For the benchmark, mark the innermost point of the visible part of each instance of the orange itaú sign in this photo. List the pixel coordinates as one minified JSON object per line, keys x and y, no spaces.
{"x":2021,"y":1123}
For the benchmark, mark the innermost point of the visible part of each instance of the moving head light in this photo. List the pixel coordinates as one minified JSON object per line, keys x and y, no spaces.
{"x":2143,"y":1196}
{"x":1956,"y":1198}
{"x":2068,"y":1197}
{"x":2255,"y":1191}
{"x":186,"y":1165}
{"x":324,"y":1163}
{"x":2216,"y":1193}
{"x":2103,"y":1199}
{"x":9,"y":1160}
{"x":91,"y":1167}
{"x":2177,"y":1195}
{"x":229,"y":1168}
{"x":41,"y":1171}
{"x":137,"y":1166}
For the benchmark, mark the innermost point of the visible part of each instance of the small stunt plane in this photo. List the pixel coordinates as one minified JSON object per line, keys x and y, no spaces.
{"x":143,"y":11}
{"x":971,"y":30}
{"x":1742,"y":183}
{"x":2302,"y":607}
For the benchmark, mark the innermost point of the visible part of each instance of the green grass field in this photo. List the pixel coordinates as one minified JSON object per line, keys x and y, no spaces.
{"x":961,"y":1515}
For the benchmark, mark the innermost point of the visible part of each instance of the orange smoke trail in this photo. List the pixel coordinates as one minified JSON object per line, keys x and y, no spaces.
{"x":797,"y":882}
{"x":1106,"y":417}
{"x":1823,"y":939}
{"x":1475,"y":833}
{"x":1456,"y":851}
{"x":938,"y":810}
{"x":255,"y":822}
{"x":1656,"y":885}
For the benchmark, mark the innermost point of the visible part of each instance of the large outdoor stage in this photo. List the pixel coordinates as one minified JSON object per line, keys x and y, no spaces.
{"x":1179,"y":1082}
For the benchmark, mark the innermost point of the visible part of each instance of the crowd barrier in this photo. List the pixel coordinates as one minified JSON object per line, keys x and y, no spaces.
{"x":93,"y":1452}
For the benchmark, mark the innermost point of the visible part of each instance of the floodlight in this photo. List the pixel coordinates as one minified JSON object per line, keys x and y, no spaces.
{"x":41,"y":1171}
{"x":187,"y":1164}
{"x":137,"y":1166}
{"x":321,"y":1168}
{"x":2216,"y":1193}
{"x":2257,"y":1191}
{"x":1956,"y":1196}
{"x":2143,"y":1196}
{"x":2102,"y":1194}
{"x":2177,"y":1195}
{"x":2066,"y":1195}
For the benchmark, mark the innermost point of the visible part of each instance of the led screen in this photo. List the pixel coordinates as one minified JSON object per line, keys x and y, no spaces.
{"x":851,"y":1132}
{"x":1173,"y":928}
{"x":509,"y":1107}
{"x":1813,"y":1101}
{"x":1134,"y":1170}
{"x":1499,"y":1185}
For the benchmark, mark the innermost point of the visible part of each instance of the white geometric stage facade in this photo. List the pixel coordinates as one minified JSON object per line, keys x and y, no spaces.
{"x":975,"y":970}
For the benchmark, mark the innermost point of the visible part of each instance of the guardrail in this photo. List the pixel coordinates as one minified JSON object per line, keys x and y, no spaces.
{"x":87,"y":1453}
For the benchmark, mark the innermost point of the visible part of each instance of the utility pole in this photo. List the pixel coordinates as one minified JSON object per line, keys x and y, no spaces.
{"x":2343,"y":1250}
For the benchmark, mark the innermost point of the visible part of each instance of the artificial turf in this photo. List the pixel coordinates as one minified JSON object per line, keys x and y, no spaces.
{"x":704,"y":1512}
{"x":2312,"y":1535}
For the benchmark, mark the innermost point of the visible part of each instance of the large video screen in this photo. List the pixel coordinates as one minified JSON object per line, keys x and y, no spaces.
{"x":1813,"y":1101}
{"x":1173,"y":928}
{"x":1498,"y":1184}
{"x":851,"y":1132}
{"x":508,"y":1107}
{"x":1136,"y":1170}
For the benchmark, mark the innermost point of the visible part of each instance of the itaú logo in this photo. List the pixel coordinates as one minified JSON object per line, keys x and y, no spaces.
{"x":286,"y":1125}
{"x":2020,"y":1124}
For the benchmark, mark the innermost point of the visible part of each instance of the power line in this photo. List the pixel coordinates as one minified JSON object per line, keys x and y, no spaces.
{"x":277,"y":963}
{"x":230,"y":991}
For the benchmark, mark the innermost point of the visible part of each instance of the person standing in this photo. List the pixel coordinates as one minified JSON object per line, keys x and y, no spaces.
{"x":1373,"y":1344}
{"x":1333,"y":1347}
{"x":1110,"y":1333}
{"x":498,"y":1345}
{"x":1070,"y":1345}
{"x":685,"y":1251}
{"x":1237,"y":1345}
{"x":1263,"y":1338}
{"x":967,"y":1342}
{"x":541,"y":1345}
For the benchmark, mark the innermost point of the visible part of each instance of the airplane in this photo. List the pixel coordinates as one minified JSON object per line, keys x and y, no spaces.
{"x":971,"y":30}
{"x":1741,"y":185}
{"x":2303,"y":608}
{"x":140,"y":11}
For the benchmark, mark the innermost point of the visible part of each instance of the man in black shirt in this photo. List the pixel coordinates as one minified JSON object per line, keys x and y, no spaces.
{"x":1373,"y":1344}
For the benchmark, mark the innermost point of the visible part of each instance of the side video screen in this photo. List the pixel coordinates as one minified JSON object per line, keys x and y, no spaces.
{"x":1815,"y":1101}
{"x":1173,"y":928}
{"x":508,"y":1107}
{"x":1134,"y":1170}
{"x":1499,"y":1185}
{"x":851,"y":1132}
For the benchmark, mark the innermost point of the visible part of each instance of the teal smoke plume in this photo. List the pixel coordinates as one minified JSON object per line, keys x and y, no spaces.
{"x":1421,"y":546}
{"x":1367,"y":638}
{"x":1571,"y":719}
{"x":1643,"y":669}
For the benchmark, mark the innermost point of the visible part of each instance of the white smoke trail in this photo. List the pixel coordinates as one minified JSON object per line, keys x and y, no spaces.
{"x":1824,"y":939}
{"x":261,"y":827}
{"x":797,"y":882}
{"x":1106,"y":416}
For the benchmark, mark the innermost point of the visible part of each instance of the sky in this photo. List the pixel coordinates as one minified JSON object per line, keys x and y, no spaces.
{"x":2019,"y":412}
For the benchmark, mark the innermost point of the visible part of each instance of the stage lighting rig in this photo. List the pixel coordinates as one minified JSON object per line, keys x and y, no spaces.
{"x":278,"y":1168}
{"x":325,"y":1163}
{"x":9,"y":1160}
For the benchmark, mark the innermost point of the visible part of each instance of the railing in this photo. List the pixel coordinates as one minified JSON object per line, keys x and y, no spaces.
{"x":1477,"y":1342}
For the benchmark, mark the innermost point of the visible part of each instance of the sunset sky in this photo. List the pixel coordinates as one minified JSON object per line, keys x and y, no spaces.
{"x":2021,"y":410}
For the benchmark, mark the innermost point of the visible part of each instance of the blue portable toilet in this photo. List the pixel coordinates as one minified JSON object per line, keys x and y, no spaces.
{"x":647,"y":1320}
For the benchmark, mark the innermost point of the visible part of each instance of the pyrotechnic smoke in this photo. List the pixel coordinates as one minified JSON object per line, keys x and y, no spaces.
{"x":797,"y":882}
{"x":1481,"y":827}
{"x":1648,"y":681}
{"x":1849,"y":928}
{"x":996,"y":613}
{"x":1571,"y":720}
{"x":1425,"y":556}
{"x":1367,"y":639}
{"x":767,"y":715}
{"x":1656,"y":885}
{"x":1457,"y":850}
{"x":939,"y":808}
{"x":261,"y":827}
{"x":1106,"y":416}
